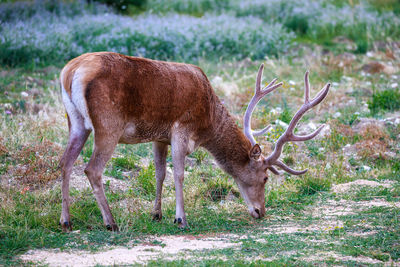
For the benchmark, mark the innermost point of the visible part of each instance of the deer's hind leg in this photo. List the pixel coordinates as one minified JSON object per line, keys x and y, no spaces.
{"x":77,"y":138}
{"x":104,"y":145}
{"x":160,"y":151}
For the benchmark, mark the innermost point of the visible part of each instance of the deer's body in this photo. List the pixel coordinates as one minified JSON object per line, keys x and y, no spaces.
{"x":132,"y":100}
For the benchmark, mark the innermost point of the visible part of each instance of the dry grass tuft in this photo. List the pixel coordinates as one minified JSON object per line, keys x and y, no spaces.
{"x":371,"y":149}
{"x":37,"y":163}
{"x":341,"y":128}
{"x":3,"y":149}
{"x":374,"y":142}
{"x":374,"y":132}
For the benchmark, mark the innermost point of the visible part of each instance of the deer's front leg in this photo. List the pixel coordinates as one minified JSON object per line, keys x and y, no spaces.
{"x":179,"y":151}
{"x":160,"y":151}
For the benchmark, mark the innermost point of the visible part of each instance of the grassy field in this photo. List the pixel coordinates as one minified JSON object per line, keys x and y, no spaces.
{"x":344,"y":211}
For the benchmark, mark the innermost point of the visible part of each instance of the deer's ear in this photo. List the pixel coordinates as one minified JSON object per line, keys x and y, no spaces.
{"x":255,"y":152}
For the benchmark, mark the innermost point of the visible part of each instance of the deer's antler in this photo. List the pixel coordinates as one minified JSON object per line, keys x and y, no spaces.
{"x":288,"y":135}
{"x":273,"y":159}
{"x":258,"y":95}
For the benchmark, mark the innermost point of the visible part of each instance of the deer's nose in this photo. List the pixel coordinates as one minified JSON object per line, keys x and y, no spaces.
{"x":257,"y":213}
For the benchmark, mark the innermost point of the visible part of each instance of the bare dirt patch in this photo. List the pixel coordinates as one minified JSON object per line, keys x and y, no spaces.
{"x":342,"y":188}
{"x":166,"y":247}
{"x":325,"y":255}
{"x":333,"y":208}
{"x":326,"y":215}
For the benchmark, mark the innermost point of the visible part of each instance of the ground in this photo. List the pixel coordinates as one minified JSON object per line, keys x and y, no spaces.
{"x":322,"y":225}
{"x":344,"y":211}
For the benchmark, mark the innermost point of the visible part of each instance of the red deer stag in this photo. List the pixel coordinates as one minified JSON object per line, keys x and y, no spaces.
{"x":133,"y":100}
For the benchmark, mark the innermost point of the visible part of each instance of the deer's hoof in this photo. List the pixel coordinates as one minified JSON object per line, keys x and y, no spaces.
{"x":157,"y":215}
{"x":113,"y":227}
{"x":182,"y":224}
{"x":66,"y":226}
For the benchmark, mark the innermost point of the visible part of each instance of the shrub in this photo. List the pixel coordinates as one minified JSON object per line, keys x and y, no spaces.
{"x":218,"y":188}
{"x":52,"y":39}
{"x":387,"y":100}
{"x":123,"y":5}
{"x":23,"y":10}
{"x":37,"y":163}
{"x":146,"y":181}
{"x":193,"y":7}
{"x":309,"y":185}
{"x":120,"y":165}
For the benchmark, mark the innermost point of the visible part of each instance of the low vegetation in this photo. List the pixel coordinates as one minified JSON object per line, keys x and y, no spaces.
{"x":344,"y":211}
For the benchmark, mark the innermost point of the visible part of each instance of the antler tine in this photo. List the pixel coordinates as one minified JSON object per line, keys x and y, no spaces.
{"x":258,"y":95}
{"x":308,"y":136}
{"x":262,"y":131}
{"x":274,"y":170}
{"x":288,"y":135}
{"x":321,"y":95}
{"x":284,"y":167}
{"x":259,"y":77}
{"x":306,"y":87}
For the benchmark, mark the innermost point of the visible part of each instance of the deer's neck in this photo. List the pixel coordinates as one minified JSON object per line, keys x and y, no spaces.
{"x":227,"y":143}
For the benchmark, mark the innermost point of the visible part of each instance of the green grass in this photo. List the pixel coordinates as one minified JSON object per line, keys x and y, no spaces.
{"x":387,"y":100}
{"x":29,"y":213}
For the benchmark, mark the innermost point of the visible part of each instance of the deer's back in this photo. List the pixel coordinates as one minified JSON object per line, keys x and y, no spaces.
{"x":144,"y":97}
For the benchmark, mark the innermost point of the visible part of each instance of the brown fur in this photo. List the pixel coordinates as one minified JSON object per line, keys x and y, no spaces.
{"x":134,"y":100}
{"x":153,"y":95}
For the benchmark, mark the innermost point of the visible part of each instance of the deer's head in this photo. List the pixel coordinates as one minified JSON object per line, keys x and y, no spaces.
{"x":252,"y":177}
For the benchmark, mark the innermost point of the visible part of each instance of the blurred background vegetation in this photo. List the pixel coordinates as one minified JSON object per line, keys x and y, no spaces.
{"x":42,"y":32}
{"x":354,"y":44}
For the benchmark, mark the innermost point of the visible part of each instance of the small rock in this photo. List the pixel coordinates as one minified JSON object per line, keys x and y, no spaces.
{"x":366,"y":168}
{"x":394,"y":85}
{"x":312,"y":126}
{"x":337,"y":115}
{"x":275,"y":111}
{"x":24,"y":94}
{"x":392,"y":121}
{"x":281,"y":123}
{"x":325,"y":131}
{"x":369,"y":54}
{"x":388,"y":70}
{"x":327,"y":166}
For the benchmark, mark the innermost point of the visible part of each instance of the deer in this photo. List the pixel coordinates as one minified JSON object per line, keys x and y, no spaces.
{"x":130,"y":100}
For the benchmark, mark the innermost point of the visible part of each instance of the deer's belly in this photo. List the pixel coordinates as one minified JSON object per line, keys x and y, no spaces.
{"x":140,"y":132}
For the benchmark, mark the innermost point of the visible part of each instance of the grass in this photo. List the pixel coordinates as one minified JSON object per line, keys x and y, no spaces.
{"x":303,"y":225}
{"x":206,"y":190}
{"x":387,"y":100}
